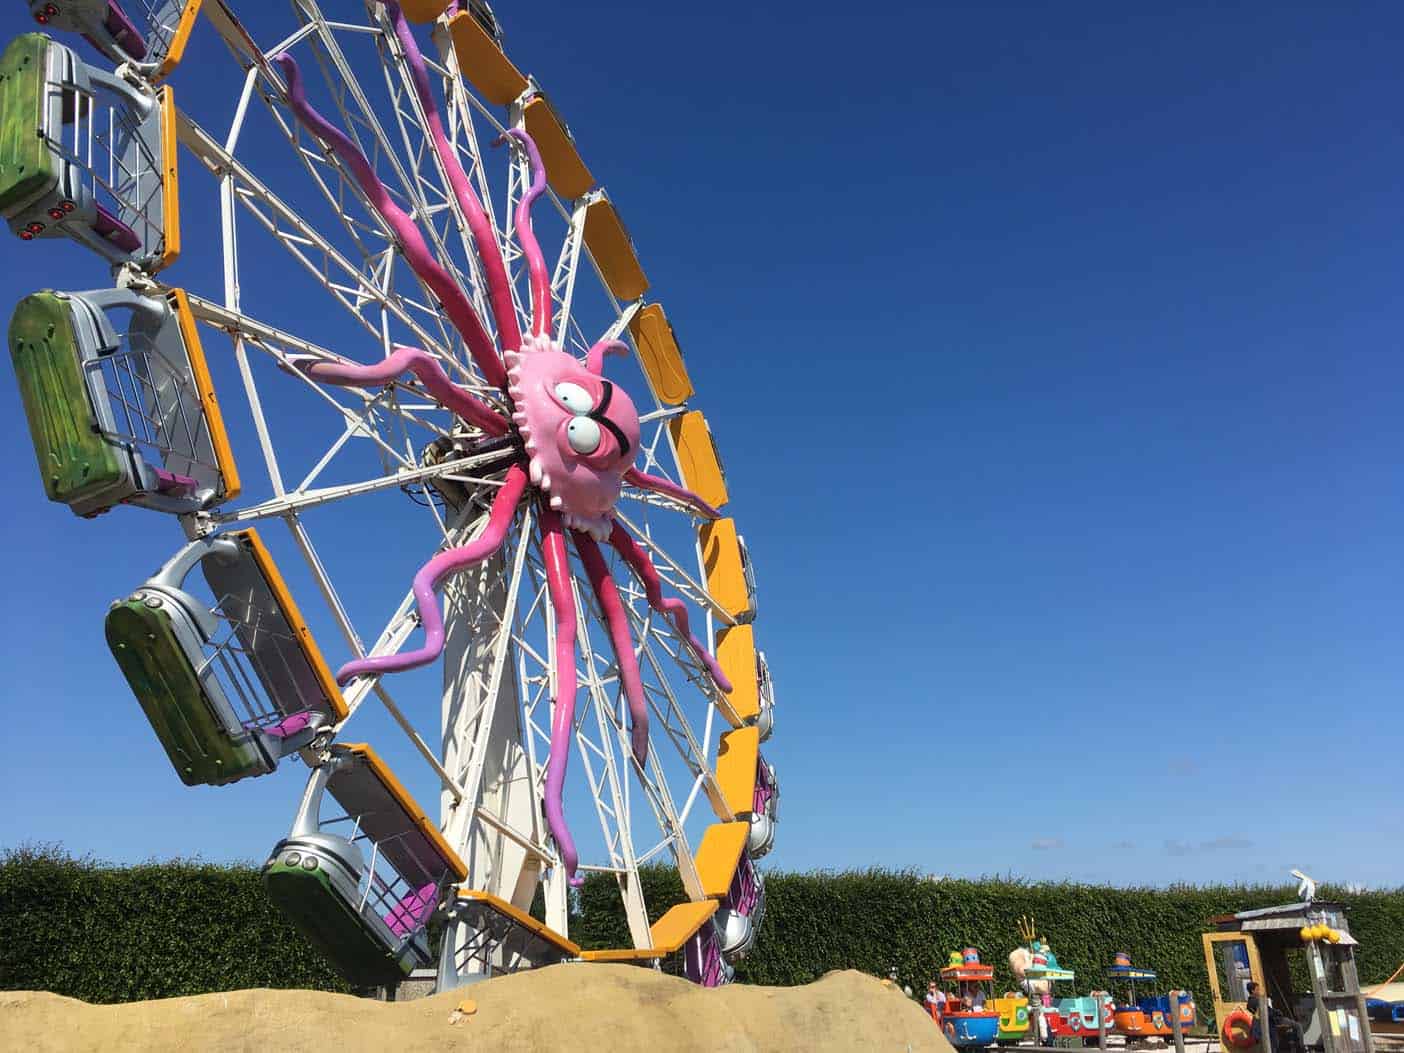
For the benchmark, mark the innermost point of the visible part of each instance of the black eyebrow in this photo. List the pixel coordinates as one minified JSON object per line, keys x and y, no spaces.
{"x":596,"y":415}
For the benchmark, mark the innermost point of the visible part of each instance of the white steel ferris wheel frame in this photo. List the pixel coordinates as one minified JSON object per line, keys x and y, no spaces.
{"x":497,"y":704}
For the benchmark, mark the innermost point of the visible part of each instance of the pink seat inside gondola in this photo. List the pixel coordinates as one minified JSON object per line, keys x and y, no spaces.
{"x":744,"y":894}
{"x":765,"y":789}
{"x":290,"y":725}
{"x":173,"y":482}
{"x":406,"y":915}
{"x":124,"y":31}
{"x":114,"y":230}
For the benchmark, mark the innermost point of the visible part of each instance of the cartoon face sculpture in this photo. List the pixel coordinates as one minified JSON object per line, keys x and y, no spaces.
{"x":581,"y":432}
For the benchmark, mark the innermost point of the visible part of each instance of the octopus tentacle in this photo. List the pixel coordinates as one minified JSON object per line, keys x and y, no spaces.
{"x":433,"y":573}
{"x":411,"y":241}
{"x":423,"y":366}
{"x":618,"y":621}
{"x":659,"y":485}
{"x":499,"y":288}
{"x":670,"y":607}
{"x":553,"y":548}
{"x":594,"y":358}
{"x":531,"y":249}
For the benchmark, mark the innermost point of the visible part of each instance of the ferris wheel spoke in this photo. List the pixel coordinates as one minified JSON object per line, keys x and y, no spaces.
{"x":351,"y":430}
{"x":419,"y":146}
{"x":470,"y":715}
{"x":518,"y":181}
{"x":406,"y":618}
{"x":670,"y":717}
{"x":620,"y":323}
{"x":662,"y":700}
{"x":462,"y":789}
{"x":663,"y":414}
{"x":455,"y":789}
{"x":281,"y":345}
{"x":602,"y":760}
{"x":342,"y":83}
{"x":619,"y":842}
{"x":463,"y":111}
{"x":378,"y":257}
{"x":260,"y":71}
{"x":654,"y":463}
{"x":324,"y":582}
{"x":363,"y":424}
{"x":313,"y":251}
{"x":653,"y":499}
{"x":468,"y":721}
{"x":567,"y":265}
{"x":615,"y":750}
{"x":678,"y":578}
{"x":298,"y":501}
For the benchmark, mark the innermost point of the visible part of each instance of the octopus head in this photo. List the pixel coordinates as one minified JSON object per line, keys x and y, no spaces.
{"x":581,"y":432}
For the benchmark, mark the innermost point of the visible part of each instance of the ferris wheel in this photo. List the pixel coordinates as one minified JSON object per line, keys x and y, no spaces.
{"x":405,"y":327}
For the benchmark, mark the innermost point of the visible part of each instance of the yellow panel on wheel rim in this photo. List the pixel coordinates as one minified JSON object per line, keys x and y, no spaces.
{"x":170,"y":249}
{"x":666,"y":935}
{"x":423,"y":10}
{"x":736,"y":653}
{"x":736,"y":768}
{"x":565,"y":171}
{"x":613,"y":250}
{"x":483,"y":63}
{"x":176,"y":50}
{"x":719,"y":855}
{"x":200,"y":371}
{"x":661,"y":357}
{"x":725,"y":563}
{"x":697,"y":457}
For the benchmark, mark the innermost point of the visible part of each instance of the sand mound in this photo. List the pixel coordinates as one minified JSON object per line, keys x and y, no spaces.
{"x":567,"y":1007}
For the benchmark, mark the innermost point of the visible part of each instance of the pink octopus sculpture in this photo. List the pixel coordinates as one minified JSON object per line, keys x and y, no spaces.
{"x":578,"y":435}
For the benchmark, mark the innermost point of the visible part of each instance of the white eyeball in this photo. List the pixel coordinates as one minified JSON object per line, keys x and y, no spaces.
{"x":576,"y":398}
{"x":583,"y":434}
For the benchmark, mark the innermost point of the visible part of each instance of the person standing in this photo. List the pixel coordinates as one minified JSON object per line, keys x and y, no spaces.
{"x":935,"y":1000}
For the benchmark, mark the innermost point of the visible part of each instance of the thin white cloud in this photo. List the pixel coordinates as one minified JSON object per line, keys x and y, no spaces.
{"x":1046,"y":844}
{"x":1226,"y":843}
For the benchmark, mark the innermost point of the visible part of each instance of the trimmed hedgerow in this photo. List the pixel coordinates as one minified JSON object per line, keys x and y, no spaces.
{"x":876,"y":920}
{"x":114,"y":934}
{"x":156,"y":930}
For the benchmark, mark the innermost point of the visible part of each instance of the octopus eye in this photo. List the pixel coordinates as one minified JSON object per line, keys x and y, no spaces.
{"x":583,"y":434}
{"x":576,"y":398}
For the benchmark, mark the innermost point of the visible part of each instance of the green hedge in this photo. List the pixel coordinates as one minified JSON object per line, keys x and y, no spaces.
{"x":108,"y":934}
{"x":877,"y":919}
{"x":118,"y":934}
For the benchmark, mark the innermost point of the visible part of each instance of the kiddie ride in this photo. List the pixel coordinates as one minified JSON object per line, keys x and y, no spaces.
{"x":1037,"y":970}
{"x":572,"y":527}
{"x":965,"y":1019}
{"x":1150,"y":1015}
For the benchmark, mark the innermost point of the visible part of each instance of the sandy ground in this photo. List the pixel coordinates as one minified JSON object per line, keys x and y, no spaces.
{"x":565,"y":1007}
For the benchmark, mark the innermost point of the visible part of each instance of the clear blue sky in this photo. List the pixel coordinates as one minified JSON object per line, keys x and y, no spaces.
{"x":1056,"y":365}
